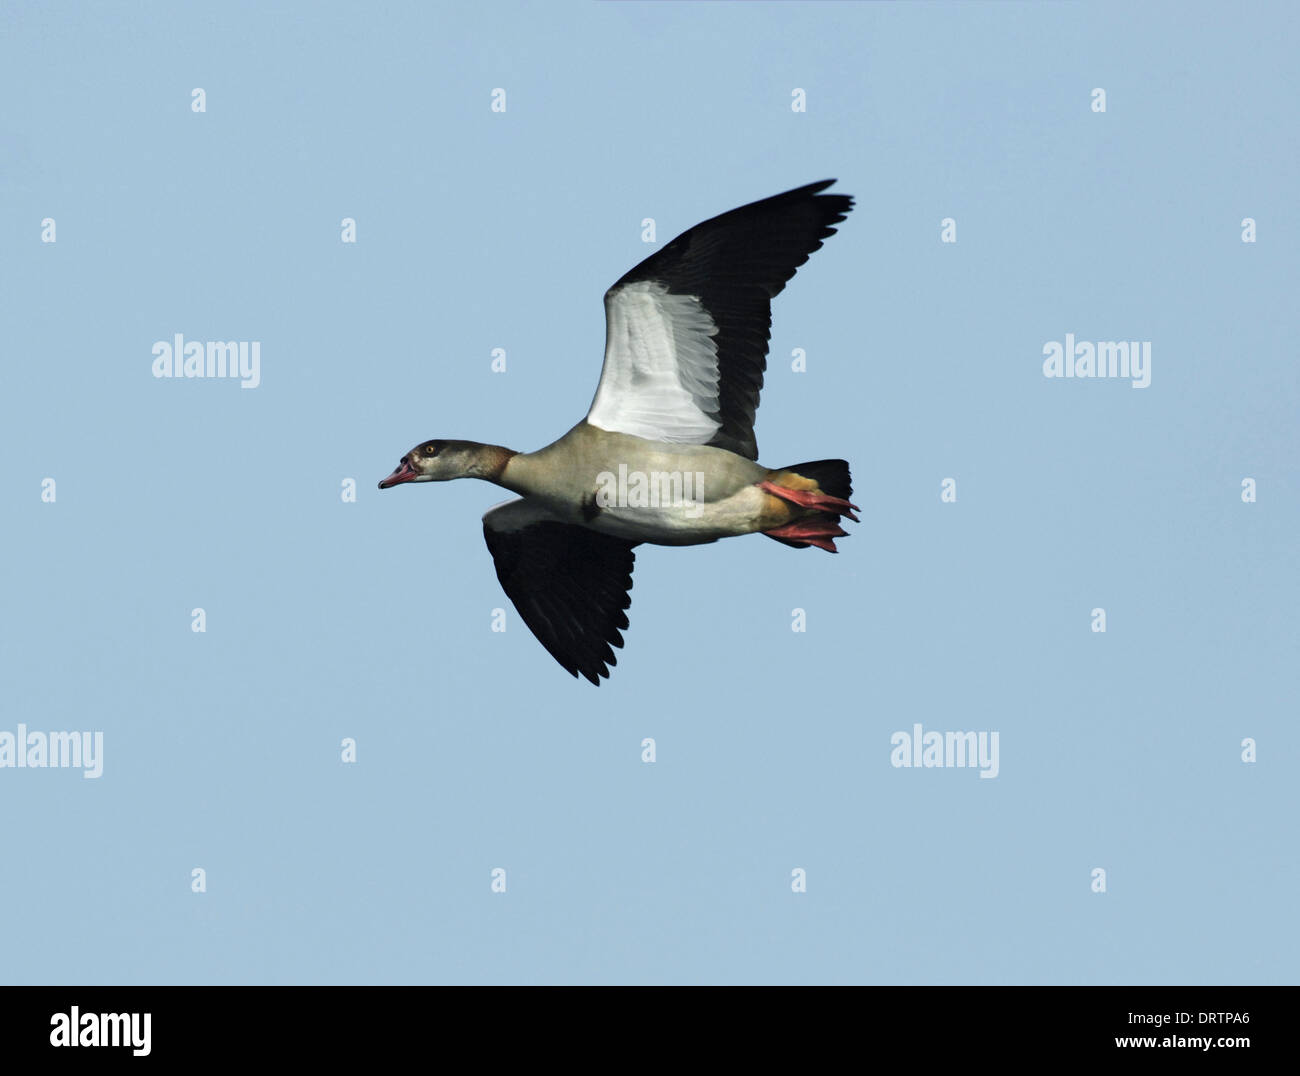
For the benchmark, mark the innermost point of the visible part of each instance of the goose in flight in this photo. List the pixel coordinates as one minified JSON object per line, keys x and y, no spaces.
{"x":666,"y":454}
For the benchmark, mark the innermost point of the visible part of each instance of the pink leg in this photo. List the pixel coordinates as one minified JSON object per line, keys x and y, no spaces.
{"x":822,"y":502}
{"x":820,"y":532}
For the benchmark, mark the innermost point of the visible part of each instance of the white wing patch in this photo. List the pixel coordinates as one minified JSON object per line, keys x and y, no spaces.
{"x":660,"y":378}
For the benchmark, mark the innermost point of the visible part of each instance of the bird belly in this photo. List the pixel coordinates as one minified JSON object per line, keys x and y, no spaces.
{"x":683,"y":521}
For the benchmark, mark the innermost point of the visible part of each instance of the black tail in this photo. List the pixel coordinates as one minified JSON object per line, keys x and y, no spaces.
{"x":831,"y":475}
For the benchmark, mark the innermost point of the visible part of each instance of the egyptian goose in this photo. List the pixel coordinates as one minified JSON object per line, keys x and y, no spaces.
{"x":666,"y":454}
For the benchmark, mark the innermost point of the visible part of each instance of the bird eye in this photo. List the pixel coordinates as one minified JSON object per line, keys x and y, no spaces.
{"x":430,"y":450}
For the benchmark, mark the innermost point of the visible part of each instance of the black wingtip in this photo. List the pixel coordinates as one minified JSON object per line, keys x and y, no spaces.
{"x":833,"y":207}
{"x":806,"y":191}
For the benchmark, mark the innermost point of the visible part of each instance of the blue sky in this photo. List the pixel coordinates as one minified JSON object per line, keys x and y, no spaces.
{"x":479,"y":230}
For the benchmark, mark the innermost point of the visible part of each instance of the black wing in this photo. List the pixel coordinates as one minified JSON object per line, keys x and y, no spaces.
{"x":570,"y":584}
